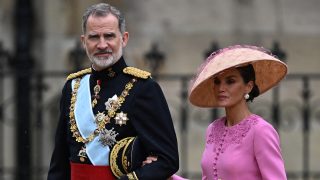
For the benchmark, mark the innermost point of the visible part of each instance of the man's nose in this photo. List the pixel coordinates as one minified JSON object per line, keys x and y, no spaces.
{"x":102,"y":44}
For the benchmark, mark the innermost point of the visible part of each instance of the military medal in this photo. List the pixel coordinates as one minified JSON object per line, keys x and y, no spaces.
{"x":111,"y":73}
{"x":100,"y":117}
{"x":121,"y":118}
{"x":96,"y":90}
{"x":82,"y":154}
{"x":108,"y":137}
{"x":112,"y":103}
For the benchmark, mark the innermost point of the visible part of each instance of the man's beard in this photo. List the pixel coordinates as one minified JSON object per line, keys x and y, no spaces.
{"x":105,"y":62}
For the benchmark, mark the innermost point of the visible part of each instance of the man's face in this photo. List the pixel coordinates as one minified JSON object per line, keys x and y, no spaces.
{"x":103,"y":41}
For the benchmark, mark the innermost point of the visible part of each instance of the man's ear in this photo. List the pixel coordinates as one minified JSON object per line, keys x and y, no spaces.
{"x":125,"y":39}
{"x":82,"y":38}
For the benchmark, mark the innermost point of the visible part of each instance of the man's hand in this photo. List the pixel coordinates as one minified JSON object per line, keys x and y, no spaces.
{"x":149,"y":160}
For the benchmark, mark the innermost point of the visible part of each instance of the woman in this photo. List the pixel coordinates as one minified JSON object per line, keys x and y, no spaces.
{"x":240,"y":145}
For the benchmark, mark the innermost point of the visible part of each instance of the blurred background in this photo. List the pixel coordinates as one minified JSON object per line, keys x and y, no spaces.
{"x":39,"y":47}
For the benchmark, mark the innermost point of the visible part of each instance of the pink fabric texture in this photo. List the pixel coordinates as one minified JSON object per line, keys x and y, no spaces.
{"x":176,"y":177}
{"x":249,"y":150}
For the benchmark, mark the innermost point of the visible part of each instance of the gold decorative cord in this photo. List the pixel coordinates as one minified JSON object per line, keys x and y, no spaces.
{"x":124,"y":158}
{"x":114,"y":154}
{"x":101,"y":124}
{"x":132,"y":176}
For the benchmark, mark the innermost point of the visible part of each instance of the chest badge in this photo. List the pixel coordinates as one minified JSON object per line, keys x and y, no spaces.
{"x":82,"y":154}
{"x":108,"y":137}
{"x":100,"y":117}
{"x":112,"y":103}
{"x":121,"y":118}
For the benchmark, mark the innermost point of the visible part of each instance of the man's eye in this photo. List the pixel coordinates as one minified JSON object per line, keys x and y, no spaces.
{"x":93,"y":37}
{"x":109,"y":36}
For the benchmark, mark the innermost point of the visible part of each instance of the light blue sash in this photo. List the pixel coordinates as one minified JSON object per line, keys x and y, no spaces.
{"x":97,"y":153}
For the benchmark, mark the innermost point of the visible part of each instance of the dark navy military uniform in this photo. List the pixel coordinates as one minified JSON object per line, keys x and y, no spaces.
{"x":148,"y":118}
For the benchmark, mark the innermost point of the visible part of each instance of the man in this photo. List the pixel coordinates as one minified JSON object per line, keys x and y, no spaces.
{"x":111,"y":109}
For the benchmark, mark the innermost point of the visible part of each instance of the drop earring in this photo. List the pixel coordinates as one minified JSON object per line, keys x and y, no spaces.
{"x":246,"y":96}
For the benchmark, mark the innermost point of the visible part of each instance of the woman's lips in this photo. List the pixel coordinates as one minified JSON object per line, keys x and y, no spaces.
{"x":222,"y":97}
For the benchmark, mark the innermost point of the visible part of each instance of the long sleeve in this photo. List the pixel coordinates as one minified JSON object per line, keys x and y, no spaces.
{"x":204,"y":160}
{"x":176,"y":177}
{"x":268,"y":154}
{"x":59,"y":165}
{"x":153,"y":124}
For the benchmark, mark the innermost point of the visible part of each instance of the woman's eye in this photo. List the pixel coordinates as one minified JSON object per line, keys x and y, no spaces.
{"x":216,"y":81}
{"x":230,"y":81}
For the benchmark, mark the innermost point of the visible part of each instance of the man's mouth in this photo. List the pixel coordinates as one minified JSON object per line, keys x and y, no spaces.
{"x":103,"y":53}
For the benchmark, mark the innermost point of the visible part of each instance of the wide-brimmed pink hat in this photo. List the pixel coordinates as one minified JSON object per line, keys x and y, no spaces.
{"x":268,"y":70}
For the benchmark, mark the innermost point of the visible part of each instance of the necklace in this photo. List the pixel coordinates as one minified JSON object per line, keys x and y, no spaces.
{"x":101,"y":119}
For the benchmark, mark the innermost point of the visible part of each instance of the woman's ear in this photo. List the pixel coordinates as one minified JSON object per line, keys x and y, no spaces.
{"x":249,"y":87}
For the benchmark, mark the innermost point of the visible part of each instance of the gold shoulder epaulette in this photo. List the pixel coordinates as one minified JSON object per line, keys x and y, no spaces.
{"x":79,"y":73}
{"x":137,"y":72}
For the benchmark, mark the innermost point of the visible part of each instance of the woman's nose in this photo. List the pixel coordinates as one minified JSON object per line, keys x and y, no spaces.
{"x":221,"y":87}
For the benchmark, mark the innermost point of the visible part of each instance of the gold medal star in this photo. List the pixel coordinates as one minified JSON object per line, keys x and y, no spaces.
{"x":100,"y":117}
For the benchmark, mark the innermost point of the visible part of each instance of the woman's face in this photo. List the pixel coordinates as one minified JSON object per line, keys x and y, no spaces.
{"x":229,"y":88}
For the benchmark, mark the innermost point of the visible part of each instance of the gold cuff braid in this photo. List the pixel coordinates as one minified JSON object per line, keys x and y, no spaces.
{"x":114,"y":154}
{"x":132,"y":176}
{"x":124,"y":158}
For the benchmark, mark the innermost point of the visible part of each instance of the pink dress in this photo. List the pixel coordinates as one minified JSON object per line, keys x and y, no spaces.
{"x":249,"y":150}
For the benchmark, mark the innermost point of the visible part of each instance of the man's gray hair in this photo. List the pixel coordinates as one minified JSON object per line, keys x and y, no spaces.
{"x":101,"y":10}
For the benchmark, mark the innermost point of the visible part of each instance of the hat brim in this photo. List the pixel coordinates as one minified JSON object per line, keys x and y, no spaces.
{"x":269,"y":72}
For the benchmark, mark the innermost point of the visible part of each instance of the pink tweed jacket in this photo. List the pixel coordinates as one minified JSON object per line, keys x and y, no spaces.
{"x":249,"y":150}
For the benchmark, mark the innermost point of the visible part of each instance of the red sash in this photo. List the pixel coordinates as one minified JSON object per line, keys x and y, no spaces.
{"x":90,"y":172}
